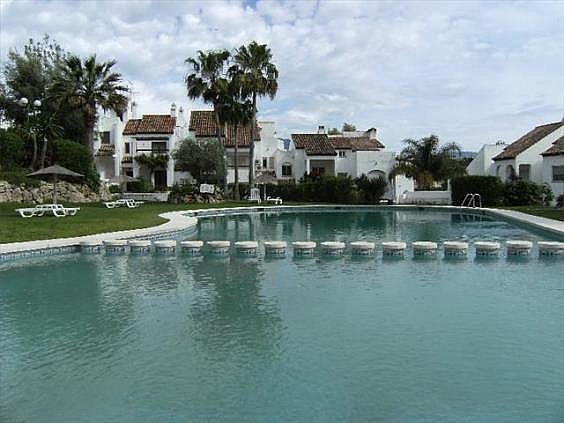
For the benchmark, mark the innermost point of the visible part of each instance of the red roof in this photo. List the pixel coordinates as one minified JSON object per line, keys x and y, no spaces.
{"x":150,"y":124}
{"x":203,"y":124}
{"x":355,"y":143}
{"x":314,"y":144}
{"x":556,"y":149}
{"x":527,"y":140}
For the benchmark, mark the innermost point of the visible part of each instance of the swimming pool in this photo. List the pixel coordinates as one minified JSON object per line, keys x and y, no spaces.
{"x":175,"y":338}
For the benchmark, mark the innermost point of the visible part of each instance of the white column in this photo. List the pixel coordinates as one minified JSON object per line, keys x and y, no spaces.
{"x":308,"y":171}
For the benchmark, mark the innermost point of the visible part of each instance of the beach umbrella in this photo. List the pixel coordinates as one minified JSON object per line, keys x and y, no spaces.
{"x":265,"y":178}
{"x":55,"y":171}
{"x":122,"y":180}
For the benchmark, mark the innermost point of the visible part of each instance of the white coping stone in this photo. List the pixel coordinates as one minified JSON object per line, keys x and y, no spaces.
{"x":192,"y":244}
{"x":333,"y":248}
{"x":91,"y":243}
{"x":487,"y":246}
{"x":165,"y":243}
{"x":274,"y":245}
{"x":518,"y":247}
{"x":219,"y":244}
{"x":333,"y":245}
{"x":115,"y":243}
{"x":304,"y":245}
{"x":394,"y":245}
{"x":304,"y":248}
{"x":549,"y":248}
{"x":424,"y":245}
{"x":139,"y":243}
{"x":363,"y":245}
{"x":455,"y":245}
{"x":245,"y":245}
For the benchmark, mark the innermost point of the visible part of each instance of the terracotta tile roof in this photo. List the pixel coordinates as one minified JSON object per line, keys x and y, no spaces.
{"x":356,"y":143}
{"x":314,"y":144}
{"x":202,"y":123}
{"x":150,"y":124}
{"x":527,"y":140}
{"x":557,"y":148}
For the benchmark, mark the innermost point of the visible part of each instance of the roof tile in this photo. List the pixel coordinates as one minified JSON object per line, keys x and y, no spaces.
{"x":203,"y":124}
{"x":314,"y":144}
{"x":150,"y":124}
{"x":556,"y":149}
{"x":527,"y":140}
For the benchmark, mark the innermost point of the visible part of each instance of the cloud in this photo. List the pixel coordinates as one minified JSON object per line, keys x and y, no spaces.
{"x":472,"y":72}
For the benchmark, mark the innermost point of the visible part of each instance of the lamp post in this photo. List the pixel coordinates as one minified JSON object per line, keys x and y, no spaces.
{"x":30,"y":110}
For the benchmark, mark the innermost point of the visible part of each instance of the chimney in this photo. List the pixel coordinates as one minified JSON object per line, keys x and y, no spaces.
{"x":173,"y":110}
{"x":372,"y":133}
{"x":180,"y":119}
{"x":321,"y":129}
{"x":133,"y":110}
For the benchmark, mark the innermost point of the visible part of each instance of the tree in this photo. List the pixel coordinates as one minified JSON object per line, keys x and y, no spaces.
{"x":428,"y":162}
{"x":236,"y":110}
{"x":12,"y":152}
{"x":205,"y":161}
{"x":333,"y":131}
{"x":348,"y":127}
{"x":86,"y":85}
{"x":259,"y":78}
{"x":207,"y":80}
{"x":371,"y":189}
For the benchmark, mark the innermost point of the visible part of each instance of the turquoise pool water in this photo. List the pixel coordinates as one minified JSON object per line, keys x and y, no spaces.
{"x":176,"y":339}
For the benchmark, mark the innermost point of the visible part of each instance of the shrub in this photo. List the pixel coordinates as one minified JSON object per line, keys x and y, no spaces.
{"x":522,"y":193}
{"x":140,"y":185}
{"x":12,"y":150}
{"x":77,"y":157}
{"x":370,"y":190}
{"x":18,"y":177}
{"x":490,"y":188}
{"x":547,"y":194}
{"x":560,"y":201}
{"x":114,"y":189}
{"x":178,"y":192}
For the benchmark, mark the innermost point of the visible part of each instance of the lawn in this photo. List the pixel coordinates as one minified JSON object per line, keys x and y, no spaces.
{"x":548,"y":212}
{"x":91,"y":219}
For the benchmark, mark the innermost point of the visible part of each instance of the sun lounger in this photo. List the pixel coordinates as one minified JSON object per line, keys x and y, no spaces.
{"x":58,"y":210}
{"x":124,"y":202}
{"x":30,"y":212}
{"x":275,"y":200}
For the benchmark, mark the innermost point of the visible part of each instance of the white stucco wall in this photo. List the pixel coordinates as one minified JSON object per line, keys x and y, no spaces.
{"x":367,"y":161}
{"x":483,"y":164}
{"x":345,"y":164}
{"x":556,"y":186}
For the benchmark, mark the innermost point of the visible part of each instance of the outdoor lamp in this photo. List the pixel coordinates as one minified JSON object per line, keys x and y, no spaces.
{"x":23,"y":101}
{"x":36,"y":103}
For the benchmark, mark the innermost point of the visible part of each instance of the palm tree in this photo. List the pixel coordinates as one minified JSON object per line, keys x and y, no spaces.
{"x":259,"y":79}
{"x":427,"y":161}
{"x":207,"y":80}
{"x":236,"y":110}
{"x":86,"y":85}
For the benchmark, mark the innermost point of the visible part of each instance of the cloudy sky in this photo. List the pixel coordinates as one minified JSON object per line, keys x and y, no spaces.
{"x":471,"y":72}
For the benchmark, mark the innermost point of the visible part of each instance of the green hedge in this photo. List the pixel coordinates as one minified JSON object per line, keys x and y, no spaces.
{"x":525,"y":193}
{"x":77,"y":157}
{"x":490,"y":188}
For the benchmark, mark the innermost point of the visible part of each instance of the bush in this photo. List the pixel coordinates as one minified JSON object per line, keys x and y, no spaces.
{"x":327,"y":189}
{"x":490,"y":188}
{"x":140,"y":185}
{"x":370,"y":190}
{"x":560,"y":201}
{"x":114,"y":189}
{"x":547,"y":194}
{"x":77,"y":157}
{"x":18,"y":177}
{"x":178,"y":192}
{"x":12,"y":150}
{"x":522,"y":193}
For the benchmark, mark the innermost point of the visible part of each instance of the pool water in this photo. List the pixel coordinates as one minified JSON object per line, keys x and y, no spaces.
{"x":175,"y":339}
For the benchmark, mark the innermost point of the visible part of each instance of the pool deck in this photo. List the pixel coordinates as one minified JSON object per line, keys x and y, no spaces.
{"x":179,"y":221}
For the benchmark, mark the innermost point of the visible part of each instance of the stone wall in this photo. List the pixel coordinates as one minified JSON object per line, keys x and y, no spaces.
{"x":66,"y":193}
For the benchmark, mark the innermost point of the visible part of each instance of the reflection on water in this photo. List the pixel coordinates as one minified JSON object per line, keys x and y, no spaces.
{"x":177,"y":338}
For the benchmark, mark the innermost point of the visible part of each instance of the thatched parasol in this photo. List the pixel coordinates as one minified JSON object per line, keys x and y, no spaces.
{"x":55,"y":171}
{"x":265,"y":178}
{"x":122,"y":180}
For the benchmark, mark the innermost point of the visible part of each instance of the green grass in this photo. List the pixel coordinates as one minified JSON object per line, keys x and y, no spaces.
{"x":542,"y":211}
{"x":91,"y":219}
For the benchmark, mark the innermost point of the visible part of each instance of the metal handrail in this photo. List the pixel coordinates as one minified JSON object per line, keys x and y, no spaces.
{"x":472,"y":200}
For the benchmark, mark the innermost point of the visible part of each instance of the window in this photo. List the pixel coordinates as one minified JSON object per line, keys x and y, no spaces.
{"x":342,"y":174}
{"x":271,"y":162}
{"x":558,"y":173}
{"x":287,"y":169}
{"x":158,"y":147}
{"x":264,"y":162}
{"x":127,"y":148}
{"x":525,"y":171}
{"x":105,"y":137}
{"x":129,"y":171}
{"x":342,"y":154}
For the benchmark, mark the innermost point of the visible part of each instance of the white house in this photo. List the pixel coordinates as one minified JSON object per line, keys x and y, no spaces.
{"x":351,"y":153}
{"x":483,"y":163}
{"x":553,"y":166}
{"x":523,"y":158}
{"x":121,"y":140}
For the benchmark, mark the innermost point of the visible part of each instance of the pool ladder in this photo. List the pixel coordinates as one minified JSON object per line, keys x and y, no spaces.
{"x":472,"y":200}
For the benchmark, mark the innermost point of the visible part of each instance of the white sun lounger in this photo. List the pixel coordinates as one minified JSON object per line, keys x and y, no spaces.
{"x":30,"y":212}
{"x":125,"y":202}
{"x":56,"y":210}
{"x":275,"y":200}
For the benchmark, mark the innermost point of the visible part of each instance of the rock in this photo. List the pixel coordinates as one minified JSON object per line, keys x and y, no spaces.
{"x":66,"y":193}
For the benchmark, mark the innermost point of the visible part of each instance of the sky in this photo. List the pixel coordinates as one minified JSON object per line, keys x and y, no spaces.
{"x":469,"y":72}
